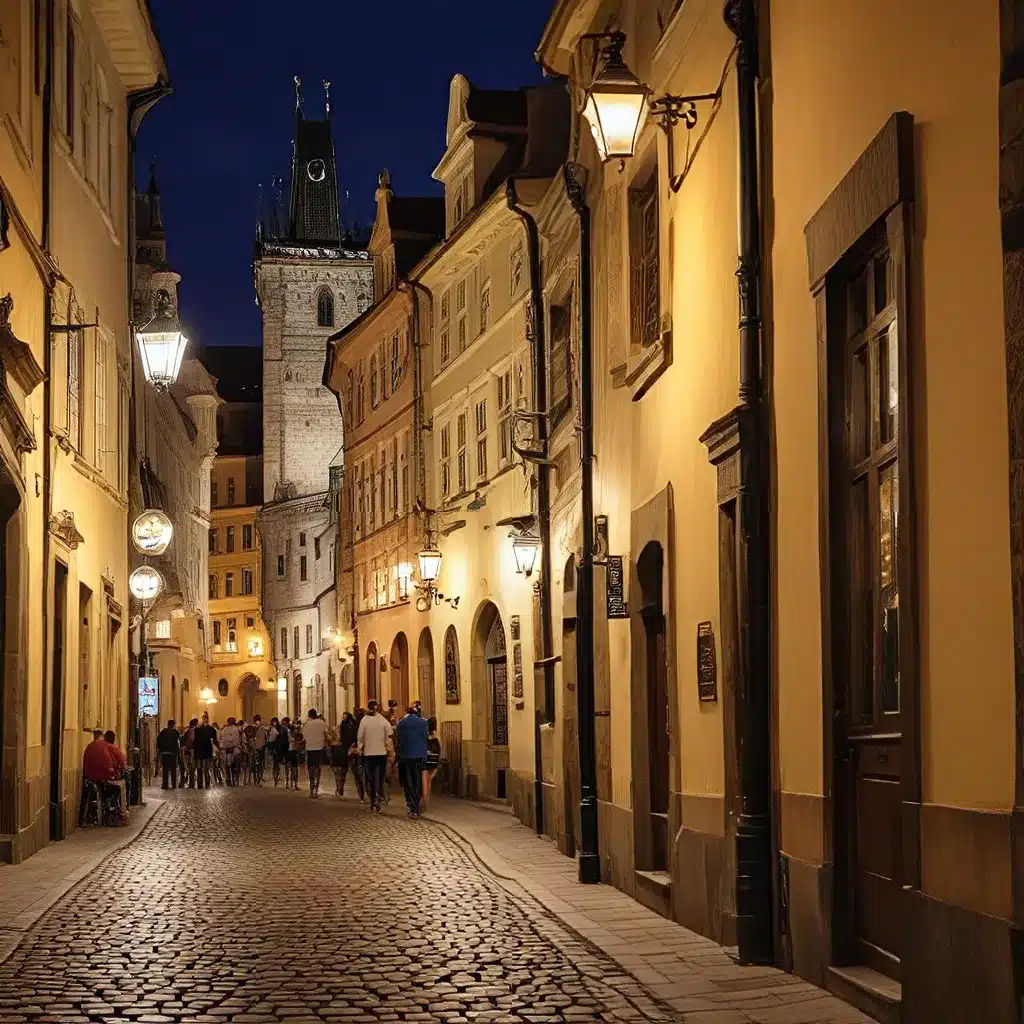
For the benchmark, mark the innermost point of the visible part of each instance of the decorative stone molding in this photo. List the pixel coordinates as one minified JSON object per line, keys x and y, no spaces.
{"x":62,"y":526}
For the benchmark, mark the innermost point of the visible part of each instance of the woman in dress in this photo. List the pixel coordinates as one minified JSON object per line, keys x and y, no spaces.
{"x":432,"y":760}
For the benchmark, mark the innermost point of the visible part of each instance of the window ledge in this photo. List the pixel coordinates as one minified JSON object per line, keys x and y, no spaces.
{"x":647,"y":365}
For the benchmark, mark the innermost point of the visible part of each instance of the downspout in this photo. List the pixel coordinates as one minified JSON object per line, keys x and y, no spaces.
{"x":590,"y":858}
{"x":139,"y":104}
{"x":753,"y":830}
{"x":418,"y":417}
{"x":541,"y":715}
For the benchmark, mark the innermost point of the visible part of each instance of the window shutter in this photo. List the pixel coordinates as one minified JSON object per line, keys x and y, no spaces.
{"x":560,"y":357}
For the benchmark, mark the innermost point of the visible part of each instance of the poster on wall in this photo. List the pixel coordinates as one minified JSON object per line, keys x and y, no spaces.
{"x":149,"y":695}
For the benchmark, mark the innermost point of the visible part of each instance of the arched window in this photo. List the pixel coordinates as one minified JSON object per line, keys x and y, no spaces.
{"x":325,"y":308}
{"x":213,"y":586}
{"x":222,"y":687}
{"x":184,"y":685}
{"x":452,"y":690}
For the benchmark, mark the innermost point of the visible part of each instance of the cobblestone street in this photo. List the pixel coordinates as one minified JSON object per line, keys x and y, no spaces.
{"x":262,"y":905}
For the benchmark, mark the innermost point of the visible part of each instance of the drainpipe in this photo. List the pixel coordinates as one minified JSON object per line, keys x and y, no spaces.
{"x":418,"y":417}
{"x":543,"y":471}
{"x":590,"y":858}
{"x":753,"y":830}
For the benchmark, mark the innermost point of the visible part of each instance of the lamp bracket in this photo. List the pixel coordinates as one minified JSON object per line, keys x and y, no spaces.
{"x":668,"y":111}
{"x":70,"y":328}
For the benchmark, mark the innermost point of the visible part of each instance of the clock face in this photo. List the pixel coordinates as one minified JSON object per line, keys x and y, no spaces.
{"x":152,"y":532}
{"x":316,"y":170}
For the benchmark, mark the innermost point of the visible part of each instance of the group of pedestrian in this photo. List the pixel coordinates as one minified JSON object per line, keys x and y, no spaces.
{"x":368,"y":745}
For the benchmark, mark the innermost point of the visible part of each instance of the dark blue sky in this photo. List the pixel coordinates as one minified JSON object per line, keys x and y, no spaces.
{"x":228,"y":125}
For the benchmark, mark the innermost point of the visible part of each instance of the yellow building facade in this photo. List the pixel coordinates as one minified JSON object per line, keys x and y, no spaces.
{"x":66,"y":178}
{"x":241,"y":675}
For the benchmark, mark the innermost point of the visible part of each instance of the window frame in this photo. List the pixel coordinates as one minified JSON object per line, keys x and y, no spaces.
{"x":325,"y":307}
{"x":480,"y":422}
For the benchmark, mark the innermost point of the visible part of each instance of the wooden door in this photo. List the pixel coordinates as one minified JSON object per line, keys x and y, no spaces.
{"x":657,"y":725}
{"x":499,"y":696}
{"x":866,"y":609}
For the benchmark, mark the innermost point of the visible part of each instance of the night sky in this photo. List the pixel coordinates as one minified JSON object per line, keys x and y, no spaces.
{"x":229,"y":124}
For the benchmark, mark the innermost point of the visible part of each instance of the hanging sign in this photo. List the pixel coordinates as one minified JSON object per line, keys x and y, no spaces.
{"x":149,"y":695}
{"x":616,"y":588}
{"x":707,"y":670}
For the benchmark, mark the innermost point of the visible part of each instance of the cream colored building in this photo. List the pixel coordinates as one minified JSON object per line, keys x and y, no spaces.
{"x":242,"y":675}
{"x":66,"y":175}
{"x":376,"y":367}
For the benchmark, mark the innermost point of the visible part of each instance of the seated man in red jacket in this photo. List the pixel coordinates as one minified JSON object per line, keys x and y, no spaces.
{"x":97,"y":761}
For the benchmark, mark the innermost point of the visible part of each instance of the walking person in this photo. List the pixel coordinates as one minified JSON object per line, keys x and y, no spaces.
{"x":412,"y":752}
{"x":231,"y":745}
{"x":279,"y":742}
{"x":432,"y":761}
{"x":256,"y":735}
{"x":203,"y":747}
{"x":189,"y":753}
{"x":372,"y":741}
{"x":168,"y":744}
{"x":314,"y":732}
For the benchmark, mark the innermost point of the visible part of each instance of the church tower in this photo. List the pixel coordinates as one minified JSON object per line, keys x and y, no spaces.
{"x":310,"y":283}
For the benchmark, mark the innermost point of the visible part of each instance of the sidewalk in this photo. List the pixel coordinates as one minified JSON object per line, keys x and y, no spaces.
{"x":29,"y":889}
{"x":690,"y":973}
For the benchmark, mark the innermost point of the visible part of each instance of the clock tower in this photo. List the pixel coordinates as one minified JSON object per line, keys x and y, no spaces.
{"x":311,"y":281}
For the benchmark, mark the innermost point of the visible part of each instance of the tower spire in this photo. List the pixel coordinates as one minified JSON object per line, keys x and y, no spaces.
{"x":298,"y":95}
{"x":327,"y":96}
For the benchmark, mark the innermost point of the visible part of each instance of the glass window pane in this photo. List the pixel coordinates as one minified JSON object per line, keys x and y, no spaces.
{"x":888,"y":384}
{"x":883,"y":281}
{"x":861,"y":615}
{"x":860,"y":407}
{"x":858,"y":302}
{"x":888,"y":515}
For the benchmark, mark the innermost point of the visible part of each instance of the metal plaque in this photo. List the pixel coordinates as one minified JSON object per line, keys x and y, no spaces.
{"x":517,"y":670}
{"x":707,"y":669}
{"x":616,"y":589}
{"x":514,"y":626}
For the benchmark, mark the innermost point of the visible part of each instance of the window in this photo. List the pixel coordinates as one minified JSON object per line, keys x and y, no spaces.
{"x":316,"y":547}
{"x":361,"y":395}
{"x":515,"y":270}
{"x":462,"y":333}
{"x":213,"y":493}
{"x":446,"y":346}
{"x":213,"y":541}
{"x":452,"y":694}
{"x":463,"y":458}
{"x":445,"y":305}
{"x":446,"y":462}
{"x":280,"y":565}
{"x":303,"y":571}
{"x":214,"y":587}
{"x":247,"y":581}
{"x":404,"y":498}
{"x":372,"y":491}
{"x":309,"y":639}
{"x":381,"y":484}
{"x":216,"y":632}
{"x":284,"y":642}
{"x":100,"y":405}
{"x":460,"y":312}
{"x":380,"y":582}
{"x":295,"y":640}
{"x":505,"y":417}
{"x":374,"y":399}
{"x":105,"y":139}
{"x":485,"y":306}
{"x":229,"y":584}
{"x":325,"y":309}
{"x":232,"y":644}
{"x":361,"y":499}
{"x":396,"y":365}
{"x":394,"y":478}
{"x":231,"y":490}
{"x":382,"y":362}
{"x":643,"y":260}
{"x":247,"y":537}
{"x":302,"y":538}
{"x":561,"y":353}
{"x":250,"y":622}
{"x":161,"y":629}
{"x":481,"y":440}
{"x":75,"y":388}
{"x":230,"y":540}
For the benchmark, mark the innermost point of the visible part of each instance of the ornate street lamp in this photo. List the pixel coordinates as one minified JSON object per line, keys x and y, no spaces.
{"x":525,"y":548}
{"x":162,"y":344}
{"x":152,"y":532}
{"x":430,"y":564}
{"x":616,"y":103}
{"x":146,"y":583}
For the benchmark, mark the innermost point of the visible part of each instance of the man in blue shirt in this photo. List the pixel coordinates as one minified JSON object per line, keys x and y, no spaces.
{"x":412,"y":734}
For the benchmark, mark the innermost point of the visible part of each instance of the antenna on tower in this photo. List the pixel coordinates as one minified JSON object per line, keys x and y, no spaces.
{"x":327,"y":94}
{"x":298,"y":93}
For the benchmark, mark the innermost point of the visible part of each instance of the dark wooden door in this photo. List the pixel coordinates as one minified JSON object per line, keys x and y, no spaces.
{"x":866,"y":609}
{"x":60,"y":600}
{"x":657,"y":724}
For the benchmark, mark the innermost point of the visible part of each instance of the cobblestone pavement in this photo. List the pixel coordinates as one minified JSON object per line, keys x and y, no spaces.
{"x":264,"y":906}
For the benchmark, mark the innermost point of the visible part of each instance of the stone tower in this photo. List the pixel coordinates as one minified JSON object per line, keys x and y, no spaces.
{"x":310,"y":282}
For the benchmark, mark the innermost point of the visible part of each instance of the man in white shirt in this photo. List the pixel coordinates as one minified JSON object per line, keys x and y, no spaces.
{"x":374,"y":736}
{"x":314,"y":732}
{"x":230,"y":742}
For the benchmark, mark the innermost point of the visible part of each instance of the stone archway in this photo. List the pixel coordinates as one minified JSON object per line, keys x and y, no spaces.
{"x":489,"y":704}
{"x":425,"y":673}
{"x":372,"y":678}
{"x":254,"y":699}
{"x":398,"y":666}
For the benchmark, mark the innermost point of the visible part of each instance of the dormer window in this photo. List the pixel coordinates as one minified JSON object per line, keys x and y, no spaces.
{"x":325,"y":309}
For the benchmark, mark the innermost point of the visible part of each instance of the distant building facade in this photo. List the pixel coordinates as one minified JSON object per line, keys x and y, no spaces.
{"x":309,"y":282}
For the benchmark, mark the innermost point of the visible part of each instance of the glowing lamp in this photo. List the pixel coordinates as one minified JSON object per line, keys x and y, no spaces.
{"x":162,"y":347}
{"x":430,"y":564}
{"x":206,"y":696}
{"x":525,"y":547}
{"x":616,"y":105}
{"x":152,"y":532}
{"x":145,"y":583}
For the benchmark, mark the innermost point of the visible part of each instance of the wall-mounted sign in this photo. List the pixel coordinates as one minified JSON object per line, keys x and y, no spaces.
{"x":616,"y":589}
{"x":514,"y":627}
{"x":149,"y":695}
{"x":517,"y":670}
{"x":707,"y":669}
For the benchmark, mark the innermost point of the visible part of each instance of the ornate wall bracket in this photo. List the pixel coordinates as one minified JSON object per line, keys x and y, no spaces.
{"x":62,"y":526}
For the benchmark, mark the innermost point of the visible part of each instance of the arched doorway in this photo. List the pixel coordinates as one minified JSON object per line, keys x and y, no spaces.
{"x":425,"y":672}
{"x":372,"y":689}
{"x":489,"y":700}
{"x":398,"y":666}
{"x":255,"y":700}
{"x":570,"y":712}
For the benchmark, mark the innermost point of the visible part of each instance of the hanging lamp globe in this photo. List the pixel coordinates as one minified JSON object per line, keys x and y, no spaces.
{"x":616,"y":105}
{"x":152,"y":532}
{"x":146,"y":583}
{"x":162,"y":346}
